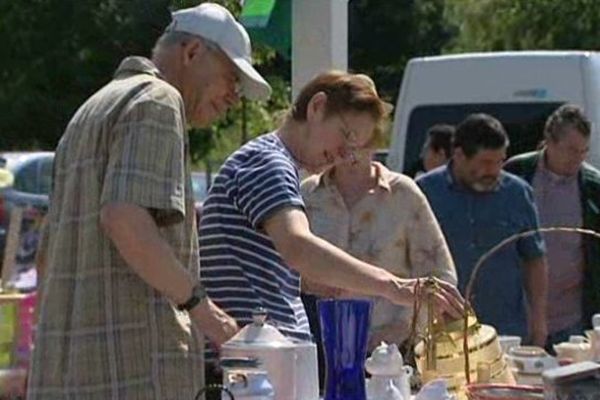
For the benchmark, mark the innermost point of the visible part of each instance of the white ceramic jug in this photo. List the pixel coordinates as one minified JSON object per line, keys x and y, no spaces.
{"x":291,"y":366}
{"x":381,"y":388}
{"x":577,"y":349}
{"x":386,"y":368}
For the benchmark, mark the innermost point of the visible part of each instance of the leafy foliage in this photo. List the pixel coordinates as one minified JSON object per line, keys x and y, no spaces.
{"x":56,"y":53}
{"x":384,"y":35}
{"x":493,"y":25}
{"x":213,"y":145}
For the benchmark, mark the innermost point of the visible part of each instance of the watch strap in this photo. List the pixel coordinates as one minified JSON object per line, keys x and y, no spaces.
{"x":198,"y":294}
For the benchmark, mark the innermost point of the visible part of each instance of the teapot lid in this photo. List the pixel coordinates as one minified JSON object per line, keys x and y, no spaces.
{"x":259,"y":333}
{"x":527,"y":351}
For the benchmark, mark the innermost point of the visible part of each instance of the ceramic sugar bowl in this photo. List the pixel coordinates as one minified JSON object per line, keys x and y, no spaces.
{"x":528,"y":363}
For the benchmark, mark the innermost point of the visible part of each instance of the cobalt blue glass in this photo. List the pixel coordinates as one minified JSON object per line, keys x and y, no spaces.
{"x":344,"y":333}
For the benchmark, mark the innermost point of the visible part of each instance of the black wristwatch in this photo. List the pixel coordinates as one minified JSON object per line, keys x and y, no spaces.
{"x":198,"y":294}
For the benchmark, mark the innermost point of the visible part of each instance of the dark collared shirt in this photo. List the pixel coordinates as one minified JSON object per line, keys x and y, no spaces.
{"x":474,"y":222}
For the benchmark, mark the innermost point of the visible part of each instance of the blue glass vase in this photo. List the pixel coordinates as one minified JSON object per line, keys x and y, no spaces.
{"x":344,"y":334}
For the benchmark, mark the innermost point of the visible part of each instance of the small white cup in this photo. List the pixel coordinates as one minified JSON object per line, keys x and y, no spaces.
{"x":596,"y":321}
{"x":508,"y":342}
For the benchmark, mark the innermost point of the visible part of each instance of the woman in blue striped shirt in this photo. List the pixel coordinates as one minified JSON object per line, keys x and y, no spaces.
{"x":255,"y":239}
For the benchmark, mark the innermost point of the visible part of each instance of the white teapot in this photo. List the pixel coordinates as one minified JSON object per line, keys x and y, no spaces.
{"x":577,"y":349}
{"x":388,"y":372}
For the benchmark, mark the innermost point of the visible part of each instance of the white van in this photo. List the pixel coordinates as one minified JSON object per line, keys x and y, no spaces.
{"x":519,"y":88}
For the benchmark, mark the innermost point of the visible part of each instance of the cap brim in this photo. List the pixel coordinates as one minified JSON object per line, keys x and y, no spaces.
{"x":254,"y":86}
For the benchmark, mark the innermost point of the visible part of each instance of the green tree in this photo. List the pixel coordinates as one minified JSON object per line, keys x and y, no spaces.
{"x":211,"y":146}
{"x":384,"y":35}
{"x":56,"y":53}
{"x":493,"y":25}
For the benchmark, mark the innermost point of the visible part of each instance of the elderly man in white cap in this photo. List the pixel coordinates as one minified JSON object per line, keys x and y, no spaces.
{"x":121,"y":294}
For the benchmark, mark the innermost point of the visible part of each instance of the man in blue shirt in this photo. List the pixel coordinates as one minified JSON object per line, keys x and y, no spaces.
{"x":478,"y":205}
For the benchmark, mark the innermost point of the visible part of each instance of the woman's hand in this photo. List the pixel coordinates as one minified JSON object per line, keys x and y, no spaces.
{"x":447,"y":297}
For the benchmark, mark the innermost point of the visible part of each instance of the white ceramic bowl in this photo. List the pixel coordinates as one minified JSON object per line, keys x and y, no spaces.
{"x":530,"y":360}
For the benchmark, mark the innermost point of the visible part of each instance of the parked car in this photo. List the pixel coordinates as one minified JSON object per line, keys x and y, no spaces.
{"x":30,"y":188}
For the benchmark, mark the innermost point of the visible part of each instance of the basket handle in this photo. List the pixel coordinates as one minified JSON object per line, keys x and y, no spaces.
{"x":485,"y":256}
{"x":214,"y":387}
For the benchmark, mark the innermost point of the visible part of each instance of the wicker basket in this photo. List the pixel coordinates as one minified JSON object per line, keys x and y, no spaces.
{"x":477,"y":391}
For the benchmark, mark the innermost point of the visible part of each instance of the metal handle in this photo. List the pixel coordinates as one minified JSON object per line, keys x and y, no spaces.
{"x":213,"y":387}
{"x":485,"y":256}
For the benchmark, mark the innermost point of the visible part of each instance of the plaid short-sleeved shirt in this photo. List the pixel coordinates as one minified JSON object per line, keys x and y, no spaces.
{"x":103,"y":333}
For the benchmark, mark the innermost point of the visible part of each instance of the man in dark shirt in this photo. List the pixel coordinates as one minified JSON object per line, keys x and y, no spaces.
{"x":478,"y":205}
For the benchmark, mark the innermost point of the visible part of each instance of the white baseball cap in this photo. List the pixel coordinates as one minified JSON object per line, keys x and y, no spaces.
{"x":215,"y":23}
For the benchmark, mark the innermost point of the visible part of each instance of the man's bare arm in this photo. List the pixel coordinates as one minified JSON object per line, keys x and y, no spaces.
{"x":135,"y":234}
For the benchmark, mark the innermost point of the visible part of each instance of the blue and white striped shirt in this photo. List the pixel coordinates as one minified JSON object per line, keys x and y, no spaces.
{"x":240,"y":267}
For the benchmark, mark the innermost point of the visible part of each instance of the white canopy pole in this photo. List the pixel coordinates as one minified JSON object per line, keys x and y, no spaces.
{"x":319,"y":39}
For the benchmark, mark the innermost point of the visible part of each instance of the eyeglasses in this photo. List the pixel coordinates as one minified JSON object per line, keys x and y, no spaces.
{"x":354,"y":152}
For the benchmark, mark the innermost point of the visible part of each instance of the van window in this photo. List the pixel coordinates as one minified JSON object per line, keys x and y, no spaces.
{"x":524,"y":123}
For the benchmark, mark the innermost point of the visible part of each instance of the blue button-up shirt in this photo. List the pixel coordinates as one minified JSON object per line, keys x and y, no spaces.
{"x":474,"y":222}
